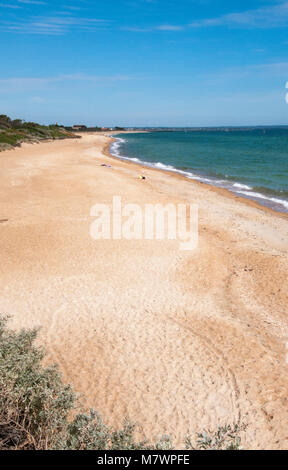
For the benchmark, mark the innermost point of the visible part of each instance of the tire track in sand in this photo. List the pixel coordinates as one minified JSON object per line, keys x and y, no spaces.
{"x":214,"y":350}
{"x":57,"y":357}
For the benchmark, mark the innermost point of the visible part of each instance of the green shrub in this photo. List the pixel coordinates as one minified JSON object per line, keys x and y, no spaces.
{"x":5,"y":121}
{"x":35,"y":406}
{"x":37,"y":409}
{"x":225,"y":438}
{"x":13,"y":133}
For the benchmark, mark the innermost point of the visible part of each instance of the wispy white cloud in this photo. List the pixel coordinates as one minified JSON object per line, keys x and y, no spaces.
{"x":7,"y":5}
{"x":265,"y":17}
{"x":274,"y":69}
{"x":28,"y":2}
{"x":32,"y":2}
{"x":169,"y":27}
{"x":70,"y":20}
{"x":37,"y":99}
{"x":52,"y":25}
{"x":149,"y":29}
{"x":70,"y":7}
{"x":34,"y":83}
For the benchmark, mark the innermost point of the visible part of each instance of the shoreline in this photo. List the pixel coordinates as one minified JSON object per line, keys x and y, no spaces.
{"x":107,"y":151}
{"x":224,"y":191}
{"x":176,"y":341}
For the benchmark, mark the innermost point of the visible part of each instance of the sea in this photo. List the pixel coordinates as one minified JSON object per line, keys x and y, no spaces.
{"x":250,"y":162}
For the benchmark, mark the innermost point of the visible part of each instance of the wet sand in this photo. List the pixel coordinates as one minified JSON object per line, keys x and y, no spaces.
{"x":178,"y":341}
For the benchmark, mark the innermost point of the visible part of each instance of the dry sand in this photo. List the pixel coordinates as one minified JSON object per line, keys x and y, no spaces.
{"x":176,"y":340}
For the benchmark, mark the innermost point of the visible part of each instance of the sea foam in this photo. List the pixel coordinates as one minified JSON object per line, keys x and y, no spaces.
{"x":235,"y":187}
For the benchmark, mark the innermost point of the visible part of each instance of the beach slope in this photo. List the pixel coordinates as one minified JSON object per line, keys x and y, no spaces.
{"x":178,"y":341}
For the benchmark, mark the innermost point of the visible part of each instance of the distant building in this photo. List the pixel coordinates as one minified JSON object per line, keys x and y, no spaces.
{"x":78,"y":127}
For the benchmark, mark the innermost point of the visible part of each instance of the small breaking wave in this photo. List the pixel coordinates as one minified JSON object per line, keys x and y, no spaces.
{"x":235,"y":187}
{"x":274,"y":200}
{"x":242,"y":186}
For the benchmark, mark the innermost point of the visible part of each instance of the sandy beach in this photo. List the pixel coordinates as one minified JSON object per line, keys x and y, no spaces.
{"x":177,"y":341}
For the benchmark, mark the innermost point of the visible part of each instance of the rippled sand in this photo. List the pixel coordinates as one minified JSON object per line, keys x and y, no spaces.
{"x":178,"y":341}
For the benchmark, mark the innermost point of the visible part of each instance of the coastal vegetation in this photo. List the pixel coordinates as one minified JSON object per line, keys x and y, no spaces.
{"x":83,"y":128}
{"x":14,"y":132}
{"x":39,"y":412}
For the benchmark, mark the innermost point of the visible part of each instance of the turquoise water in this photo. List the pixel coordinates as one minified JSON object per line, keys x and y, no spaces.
{"x":252,"y":164}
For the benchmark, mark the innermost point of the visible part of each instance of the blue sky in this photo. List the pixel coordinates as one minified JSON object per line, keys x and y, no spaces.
{"x":144,"y":62}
